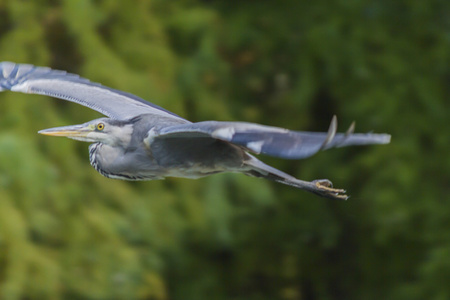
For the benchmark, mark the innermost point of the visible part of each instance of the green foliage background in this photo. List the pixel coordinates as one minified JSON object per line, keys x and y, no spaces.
{"x":68,"y":233}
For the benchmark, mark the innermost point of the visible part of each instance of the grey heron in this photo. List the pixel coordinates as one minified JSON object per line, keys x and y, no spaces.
{"x":139,"y":140}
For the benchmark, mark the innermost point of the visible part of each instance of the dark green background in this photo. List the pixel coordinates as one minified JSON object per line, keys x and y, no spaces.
{"x":68,"y":233}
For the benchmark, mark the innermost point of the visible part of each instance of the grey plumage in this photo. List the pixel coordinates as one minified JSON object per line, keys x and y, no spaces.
{"x":142,"y":141}
{"x":60,"y":84}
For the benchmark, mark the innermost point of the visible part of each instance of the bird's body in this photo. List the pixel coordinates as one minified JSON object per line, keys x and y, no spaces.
{"x":141,"y":157}
{"x":142,"y":141}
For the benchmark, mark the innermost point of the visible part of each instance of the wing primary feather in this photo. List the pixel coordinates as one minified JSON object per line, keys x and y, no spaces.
{"x":273,"y":141}
{"x":331,"y":133}
{"x":351,"y":129}
{"x":347,"y":135}
{"x":60,"y":84}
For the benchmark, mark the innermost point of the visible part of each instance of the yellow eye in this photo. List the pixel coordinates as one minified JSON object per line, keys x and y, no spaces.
{"x":100,"y":126}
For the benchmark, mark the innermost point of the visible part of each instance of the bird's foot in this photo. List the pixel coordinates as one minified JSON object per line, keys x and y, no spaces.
{"x":324,"y":188}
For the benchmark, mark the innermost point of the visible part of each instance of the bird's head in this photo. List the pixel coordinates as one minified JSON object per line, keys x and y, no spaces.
{"x":104,"y":130}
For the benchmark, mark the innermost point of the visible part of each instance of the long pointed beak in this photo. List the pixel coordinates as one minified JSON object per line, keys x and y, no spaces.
{"x":72,"y":131}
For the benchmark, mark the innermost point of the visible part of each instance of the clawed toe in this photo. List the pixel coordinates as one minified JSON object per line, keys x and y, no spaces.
{"x":323,"y":183}
{"x":325,"y":189}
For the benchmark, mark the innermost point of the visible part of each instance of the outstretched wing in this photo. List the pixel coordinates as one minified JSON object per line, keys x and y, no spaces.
{"x":60,"y":84}
{"x":273,"y":141}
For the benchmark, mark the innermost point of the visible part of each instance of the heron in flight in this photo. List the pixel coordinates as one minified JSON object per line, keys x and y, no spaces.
{"x":142,"y":141}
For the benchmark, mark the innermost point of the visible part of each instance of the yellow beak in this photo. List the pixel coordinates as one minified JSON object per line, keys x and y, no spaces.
{"x":76,"y":132}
